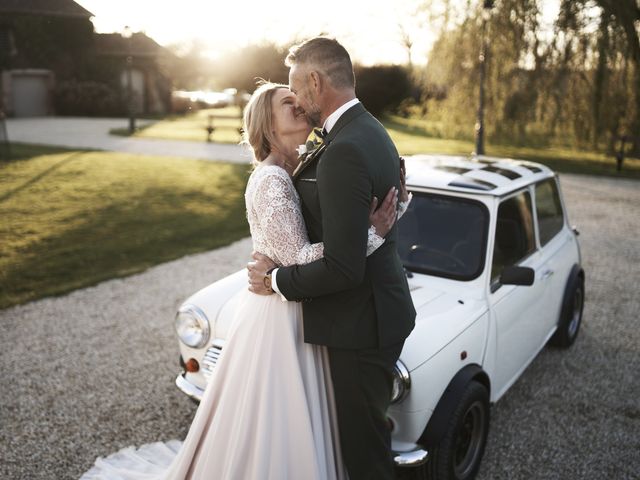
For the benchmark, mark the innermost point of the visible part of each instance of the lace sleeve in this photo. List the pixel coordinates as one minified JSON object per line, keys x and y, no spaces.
{"x":402,"y":206}
{"x":281,"y":221}
{"x":374,"y":241}
{"x":283,"y":226}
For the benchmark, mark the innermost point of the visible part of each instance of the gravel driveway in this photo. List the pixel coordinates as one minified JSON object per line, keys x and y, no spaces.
{"x":91,"y":372}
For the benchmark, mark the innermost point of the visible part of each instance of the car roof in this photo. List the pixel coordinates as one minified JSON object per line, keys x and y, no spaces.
{"x":473,"y":174}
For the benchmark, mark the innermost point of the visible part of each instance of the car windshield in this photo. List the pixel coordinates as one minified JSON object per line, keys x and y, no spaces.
{"x":444,"y":236}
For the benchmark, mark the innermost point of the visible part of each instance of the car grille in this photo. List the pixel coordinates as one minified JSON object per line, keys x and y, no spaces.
{"x":210,"y":360}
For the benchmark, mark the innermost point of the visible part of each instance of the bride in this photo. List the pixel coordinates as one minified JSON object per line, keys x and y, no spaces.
{"x":267,"y":412}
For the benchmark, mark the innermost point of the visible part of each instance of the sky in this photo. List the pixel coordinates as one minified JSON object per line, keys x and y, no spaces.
{"x":370,"y":30}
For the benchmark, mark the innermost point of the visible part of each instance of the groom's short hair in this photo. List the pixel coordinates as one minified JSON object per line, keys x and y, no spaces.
{"x":328,"y":56}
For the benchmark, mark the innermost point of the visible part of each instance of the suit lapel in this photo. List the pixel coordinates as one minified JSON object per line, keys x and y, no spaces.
{"x":308,"y":160}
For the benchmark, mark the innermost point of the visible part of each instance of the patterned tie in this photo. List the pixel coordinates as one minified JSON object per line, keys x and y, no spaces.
{"x":320,"y":134}
{"x":317,"y":140}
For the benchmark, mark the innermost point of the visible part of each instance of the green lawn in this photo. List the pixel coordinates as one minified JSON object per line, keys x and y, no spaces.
{"x":74,"y":218}
{"x":192,"y":126}
{"x":411,"y":136}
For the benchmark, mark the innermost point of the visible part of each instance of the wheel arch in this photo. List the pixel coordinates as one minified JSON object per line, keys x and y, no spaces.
{"x":561,"y":337}
{"x":576,"y":272}
{"x":437,"y":424}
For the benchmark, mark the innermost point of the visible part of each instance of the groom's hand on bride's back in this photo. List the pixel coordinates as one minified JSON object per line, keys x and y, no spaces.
{"x":259,"y":281}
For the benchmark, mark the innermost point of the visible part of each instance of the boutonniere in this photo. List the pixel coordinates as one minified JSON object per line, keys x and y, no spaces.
{"x":302,"y":149}
{"x":305,"y":150}
{"x":311,"y":150}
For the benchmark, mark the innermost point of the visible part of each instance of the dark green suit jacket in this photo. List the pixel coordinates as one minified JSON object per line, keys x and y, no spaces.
{"x":350,"y":300}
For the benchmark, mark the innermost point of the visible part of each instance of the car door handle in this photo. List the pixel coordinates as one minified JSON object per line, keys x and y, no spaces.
{"x":546,"y":274}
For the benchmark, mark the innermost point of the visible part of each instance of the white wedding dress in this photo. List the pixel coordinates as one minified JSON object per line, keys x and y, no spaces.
{"x":267,"y":412}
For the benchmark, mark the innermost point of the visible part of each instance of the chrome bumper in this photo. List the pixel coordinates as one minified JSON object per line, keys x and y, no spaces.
{"x":189,"y":389}
{"x":413,"y":458}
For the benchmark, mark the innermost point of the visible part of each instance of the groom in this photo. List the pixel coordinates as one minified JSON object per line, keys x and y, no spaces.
{"x":358,"y":306}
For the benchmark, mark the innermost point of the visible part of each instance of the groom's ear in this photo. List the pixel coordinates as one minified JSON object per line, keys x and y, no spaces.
{"x":316,"y":80}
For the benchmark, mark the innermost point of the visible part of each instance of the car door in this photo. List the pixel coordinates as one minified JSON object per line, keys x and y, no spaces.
{"x":514,"y":308}
{"x":557,"y":250}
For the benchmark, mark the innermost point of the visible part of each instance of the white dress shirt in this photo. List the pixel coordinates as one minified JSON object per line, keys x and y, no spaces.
{"x":333,"y":118}
{"x":329,"y":123}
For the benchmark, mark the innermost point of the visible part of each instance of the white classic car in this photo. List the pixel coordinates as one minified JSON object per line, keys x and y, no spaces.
{"x":495,"y":274}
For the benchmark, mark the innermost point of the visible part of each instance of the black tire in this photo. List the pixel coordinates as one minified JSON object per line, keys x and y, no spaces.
{"x":458,"y":455}
{"x":460,"y":451}
{"x":570,"y":315}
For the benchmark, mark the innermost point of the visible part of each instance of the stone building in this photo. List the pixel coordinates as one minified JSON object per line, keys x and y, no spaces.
{"x":52,"y":62}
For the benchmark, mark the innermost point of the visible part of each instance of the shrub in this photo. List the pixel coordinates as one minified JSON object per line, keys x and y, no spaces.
{"x":87,"y":98}
{"x":382,"y":88}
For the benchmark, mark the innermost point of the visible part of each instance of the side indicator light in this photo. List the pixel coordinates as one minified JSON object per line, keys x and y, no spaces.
{"x":192,"y":365}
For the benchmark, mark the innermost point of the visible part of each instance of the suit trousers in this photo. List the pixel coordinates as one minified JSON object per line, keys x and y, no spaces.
{"x":362,"y":381}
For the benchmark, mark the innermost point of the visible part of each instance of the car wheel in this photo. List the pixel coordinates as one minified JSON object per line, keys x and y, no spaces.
{"x":458,"y":455}
{"x":570,"y":316}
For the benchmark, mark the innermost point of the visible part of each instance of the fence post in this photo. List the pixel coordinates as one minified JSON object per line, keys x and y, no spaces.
{"x":209,"y":128}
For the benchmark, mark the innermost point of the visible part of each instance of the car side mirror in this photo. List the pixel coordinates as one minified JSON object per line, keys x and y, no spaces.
{"x":517,"y":276}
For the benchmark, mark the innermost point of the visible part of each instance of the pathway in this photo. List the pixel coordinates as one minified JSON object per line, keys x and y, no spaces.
{"x":93,"y":133}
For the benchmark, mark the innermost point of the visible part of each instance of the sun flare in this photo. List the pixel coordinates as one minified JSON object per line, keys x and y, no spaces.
{"x":372,"y":32}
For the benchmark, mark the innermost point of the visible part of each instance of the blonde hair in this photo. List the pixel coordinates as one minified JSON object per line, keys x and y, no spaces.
{"x":258,"y":120}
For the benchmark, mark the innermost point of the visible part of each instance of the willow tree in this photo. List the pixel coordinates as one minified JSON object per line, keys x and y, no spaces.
{"x":574,"y":82}
{"x":625,"y":15}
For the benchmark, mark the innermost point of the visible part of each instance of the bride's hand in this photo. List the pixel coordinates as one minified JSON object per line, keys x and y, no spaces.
{"x":384,"y":217}
{"x":257,"y":271}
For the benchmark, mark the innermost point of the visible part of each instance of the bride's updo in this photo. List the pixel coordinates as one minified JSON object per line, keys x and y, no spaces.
{"x":258,"y":122}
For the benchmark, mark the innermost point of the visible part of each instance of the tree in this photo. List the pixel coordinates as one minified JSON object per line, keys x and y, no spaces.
{"x":626,"y":13}
{"x":189,"y":68}
{"x":241,"y":69}
{"x":570,"y":85}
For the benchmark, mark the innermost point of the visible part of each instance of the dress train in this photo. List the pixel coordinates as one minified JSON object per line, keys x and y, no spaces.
{"x":266,"y":414}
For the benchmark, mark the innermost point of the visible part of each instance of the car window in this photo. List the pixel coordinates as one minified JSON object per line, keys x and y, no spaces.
{"x":548,"y":210}
{"x":444,"y":236}
{"x":514,"y":233}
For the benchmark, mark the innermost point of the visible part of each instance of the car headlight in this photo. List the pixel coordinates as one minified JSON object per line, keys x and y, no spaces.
{"x":401,"y":382}
{"x":192,"y":326}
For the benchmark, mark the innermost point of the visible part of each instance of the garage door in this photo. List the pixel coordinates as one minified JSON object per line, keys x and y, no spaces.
{"x":30,"y":94}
